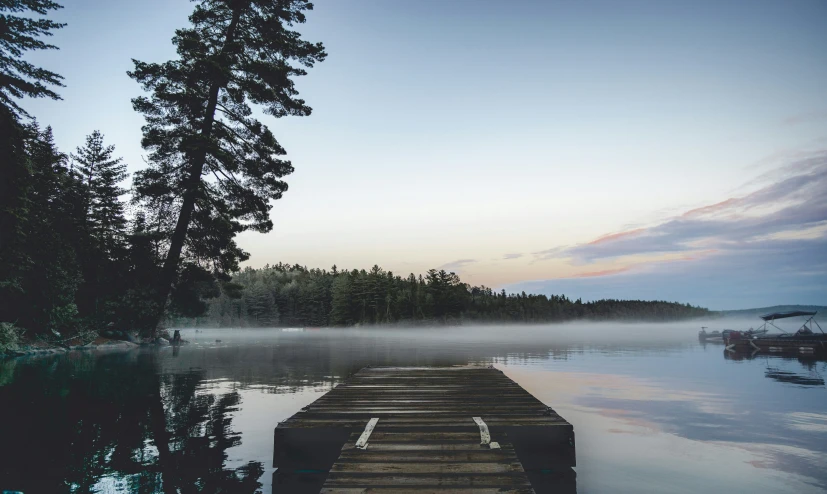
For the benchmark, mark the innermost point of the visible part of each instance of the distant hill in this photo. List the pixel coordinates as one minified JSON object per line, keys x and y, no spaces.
{"x":760,"y":311}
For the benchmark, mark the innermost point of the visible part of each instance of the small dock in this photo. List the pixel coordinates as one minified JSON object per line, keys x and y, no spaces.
{"x":425,"y":429}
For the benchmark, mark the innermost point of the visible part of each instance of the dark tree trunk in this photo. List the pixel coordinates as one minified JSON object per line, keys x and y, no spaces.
{"x":193,"y":184}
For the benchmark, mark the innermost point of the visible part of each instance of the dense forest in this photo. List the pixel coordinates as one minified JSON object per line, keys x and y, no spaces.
{"x":80,"y":247}
{"x":285,"y":295}
{"x":83,"y":248}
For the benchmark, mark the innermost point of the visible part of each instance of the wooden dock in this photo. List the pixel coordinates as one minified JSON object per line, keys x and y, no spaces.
{"x":425,"y":429}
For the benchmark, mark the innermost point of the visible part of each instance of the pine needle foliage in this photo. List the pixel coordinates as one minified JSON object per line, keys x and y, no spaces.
{"x":19,"y":34}
{"x":102,"y":175}
{"x":210,"y":157}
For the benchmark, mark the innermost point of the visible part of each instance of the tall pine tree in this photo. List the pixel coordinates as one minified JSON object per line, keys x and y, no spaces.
{"x":102,"y":250}
{"x":220,"y":164}
{"x":47,"y":299}
{"x":18,"y":79}
{"x":102,"y":175}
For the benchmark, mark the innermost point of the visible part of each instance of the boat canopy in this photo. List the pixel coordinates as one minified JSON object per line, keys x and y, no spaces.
{"x":784,"y":315}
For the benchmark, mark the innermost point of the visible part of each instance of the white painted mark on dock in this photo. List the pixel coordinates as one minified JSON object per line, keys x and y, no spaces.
{"x":485,"y":437}
{"x":494,"y":445}
{"x":362,"y":443}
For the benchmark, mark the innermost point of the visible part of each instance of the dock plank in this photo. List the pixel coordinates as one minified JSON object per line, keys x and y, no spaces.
{"x":425,"y":438}
{"x":426,"y":467}
{"x":402,"y":453}
{"x":415,"y":490}
{"x":336,"y":479}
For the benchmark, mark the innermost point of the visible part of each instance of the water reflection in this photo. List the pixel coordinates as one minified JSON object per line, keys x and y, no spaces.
{"x":653,"y":411}
{"x":682,"y":437}
{"x":793,"y":378}
{"x":810,"y":372}
{"x":117,"y":422}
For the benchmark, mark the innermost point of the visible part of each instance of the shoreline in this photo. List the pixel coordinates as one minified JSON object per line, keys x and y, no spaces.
{"x":44,"y":348}
{"x":29,"y":350}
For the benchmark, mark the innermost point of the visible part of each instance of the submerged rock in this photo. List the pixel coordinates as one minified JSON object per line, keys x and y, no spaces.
{"x":114,"y":344}
{"x":27,"y":351}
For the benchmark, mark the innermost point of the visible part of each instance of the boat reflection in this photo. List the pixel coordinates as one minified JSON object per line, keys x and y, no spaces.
{"x":792,"y":378}
{"x":814,"y":366}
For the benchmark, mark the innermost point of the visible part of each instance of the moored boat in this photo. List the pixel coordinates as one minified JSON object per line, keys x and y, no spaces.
{"x":750,"y":332}
{"x":721,"y":336}
{"x":803,"y":341}
{"x":710,"y":336}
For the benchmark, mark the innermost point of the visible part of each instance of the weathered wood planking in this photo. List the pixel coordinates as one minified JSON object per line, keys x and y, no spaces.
{"x":424,"y":437}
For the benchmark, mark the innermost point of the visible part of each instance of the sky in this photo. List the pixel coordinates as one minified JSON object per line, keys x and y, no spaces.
{"x":640,"y":149}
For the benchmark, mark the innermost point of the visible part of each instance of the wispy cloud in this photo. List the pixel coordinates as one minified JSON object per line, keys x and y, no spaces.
{"x":604,"y":272}
{"x":458,"y":264}
{"x":512,"y":256}
{"x":790,"y":272}
{"x":616,"y":236}
{"x":553,"y":253}
{"x":711,"y":209}
{"x":768,"y":245}
{"x":797,"y":200}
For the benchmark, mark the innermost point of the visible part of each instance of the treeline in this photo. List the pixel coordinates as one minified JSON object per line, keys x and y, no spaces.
{"x":75,"y":261}
{"x":79,"y":248}
{"x":292,"y":295}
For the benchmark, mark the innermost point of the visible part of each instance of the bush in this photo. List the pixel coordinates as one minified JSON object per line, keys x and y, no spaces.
{"x":10,"y":336}
{"x":63,"y":318}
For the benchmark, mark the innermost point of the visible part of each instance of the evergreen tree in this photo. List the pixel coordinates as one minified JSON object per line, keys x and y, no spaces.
{"x":261,"y":305}
{"x":102,"y":175}
{"x":15,"y":186}
{"x":220,"y":164}
{"x":18,"y":34}
{"x":134,"y":308}
{"x":47,"y":300}
{"x":18,"y":78}
{"x":316,"y":297}
{"x":341,"y":303}
{"x":101,"y":251}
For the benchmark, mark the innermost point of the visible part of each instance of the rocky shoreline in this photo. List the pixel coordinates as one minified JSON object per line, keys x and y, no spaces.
{"x":27,"y":350}
{"x":109,"y":340}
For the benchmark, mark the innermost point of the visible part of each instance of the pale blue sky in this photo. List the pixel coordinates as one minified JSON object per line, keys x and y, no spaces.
{"x":460,"y":133}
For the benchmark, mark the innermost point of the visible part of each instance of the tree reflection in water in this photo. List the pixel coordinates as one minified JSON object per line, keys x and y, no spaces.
{"x":77,"y":425}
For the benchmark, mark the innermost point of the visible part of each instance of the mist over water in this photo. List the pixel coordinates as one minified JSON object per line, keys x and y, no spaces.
{"x":653,"y":409}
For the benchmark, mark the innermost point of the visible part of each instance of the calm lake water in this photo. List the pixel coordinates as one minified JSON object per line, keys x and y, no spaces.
{"x":653,"y":410}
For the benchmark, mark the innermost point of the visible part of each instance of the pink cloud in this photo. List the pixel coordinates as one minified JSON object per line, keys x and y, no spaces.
{"x":712,"y":208}
{"x":796,"y":200}
{"x":616,"y":236}
{"x":605,"y":272}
